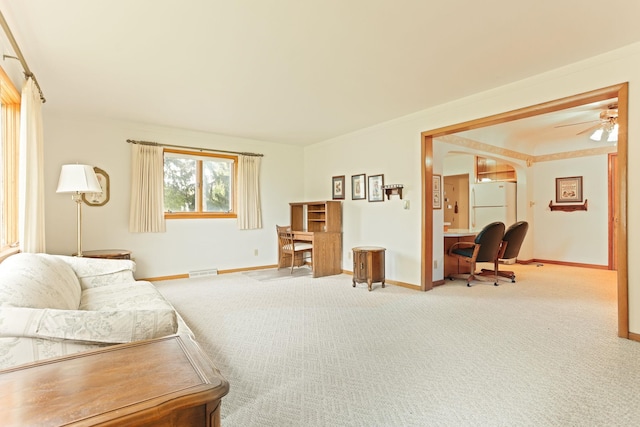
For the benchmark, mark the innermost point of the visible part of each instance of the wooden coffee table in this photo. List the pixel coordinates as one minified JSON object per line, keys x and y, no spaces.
{"x":162,"y":382}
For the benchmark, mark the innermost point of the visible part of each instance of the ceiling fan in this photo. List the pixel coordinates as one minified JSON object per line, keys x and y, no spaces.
{"x":607,"y":127}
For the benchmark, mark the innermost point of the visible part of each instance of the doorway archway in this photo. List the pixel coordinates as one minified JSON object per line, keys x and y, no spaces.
{"x":619,"y":211}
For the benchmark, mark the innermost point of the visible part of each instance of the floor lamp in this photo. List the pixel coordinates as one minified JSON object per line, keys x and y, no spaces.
{"x":78,"y":179}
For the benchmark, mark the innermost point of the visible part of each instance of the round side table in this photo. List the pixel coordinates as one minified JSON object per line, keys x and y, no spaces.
{"x":368,"y":265}
{"x":107,"y":254}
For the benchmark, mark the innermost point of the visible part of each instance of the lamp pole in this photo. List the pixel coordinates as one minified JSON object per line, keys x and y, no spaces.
{"x":78,"y":199}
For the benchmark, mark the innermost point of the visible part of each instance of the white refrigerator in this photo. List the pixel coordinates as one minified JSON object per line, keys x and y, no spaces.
{"x":492,"y":201}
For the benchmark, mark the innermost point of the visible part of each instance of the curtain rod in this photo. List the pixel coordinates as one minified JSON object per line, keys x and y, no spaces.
{"x":20,"y":57}
{"x":156,"y":144}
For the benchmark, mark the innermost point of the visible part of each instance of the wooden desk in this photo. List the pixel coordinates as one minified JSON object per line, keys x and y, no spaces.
{"x":326,"y":255}
{"x":453,"y":265}
{"x":163,"y":382}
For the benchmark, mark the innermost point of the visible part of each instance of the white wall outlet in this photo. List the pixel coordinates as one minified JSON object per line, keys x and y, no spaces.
{"x":255,"y":252}
{"x":405,"y":204}
{"x":435,"y":263}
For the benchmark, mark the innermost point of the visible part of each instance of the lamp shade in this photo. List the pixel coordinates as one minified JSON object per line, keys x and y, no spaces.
{"x":78,"y":179}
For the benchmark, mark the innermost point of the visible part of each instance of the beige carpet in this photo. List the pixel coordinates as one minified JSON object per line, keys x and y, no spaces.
{"x":318,"y":352}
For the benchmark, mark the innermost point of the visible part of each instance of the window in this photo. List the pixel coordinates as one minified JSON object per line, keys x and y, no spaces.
{"x":199,"y":185}
{"x":9,"y":142}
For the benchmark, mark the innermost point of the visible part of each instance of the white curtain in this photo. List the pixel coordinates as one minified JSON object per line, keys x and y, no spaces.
{"x":31,"y":171}
{"x":147,"y":189}
{"x":249,"y":208}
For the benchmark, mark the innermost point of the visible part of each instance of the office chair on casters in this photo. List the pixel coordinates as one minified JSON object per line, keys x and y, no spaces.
{"x":288,"y":246}
{"x":485,"y":248}
{"x":511,"y":242}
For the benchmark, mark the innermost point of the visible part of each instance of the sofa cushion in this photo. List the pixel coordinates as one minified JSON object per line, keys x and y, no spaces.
{"x":38,"y":281}
{"x":93,"y":272}
{"x":117,"y":326}
{"x":138,"y":295}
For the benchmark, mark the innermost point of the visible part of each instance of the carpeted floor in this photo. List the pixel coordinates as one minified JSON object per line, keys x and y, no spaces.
{"x":318,"y":352}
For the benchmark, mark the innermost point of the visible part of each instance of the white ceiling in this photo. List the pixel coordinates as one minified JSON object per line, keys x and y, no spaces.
{"x":556,"y":132}
{"x":297,"y":71}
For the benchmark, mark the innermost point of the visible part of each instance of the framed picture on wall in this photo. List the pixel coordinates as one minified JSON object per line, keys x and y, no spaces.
{"x":376,"y":194}
{"x":338,"y":187}
{"x":358,"y":187}
{"x":569,"y":190}
{"x":98,"y":199}
{"x":437,"y":191}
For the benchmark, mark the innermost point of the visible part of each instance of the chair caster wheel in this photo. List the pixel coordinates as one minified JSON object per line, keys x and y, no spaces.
{"x":495,"y":284}
{"x":468,"y":285}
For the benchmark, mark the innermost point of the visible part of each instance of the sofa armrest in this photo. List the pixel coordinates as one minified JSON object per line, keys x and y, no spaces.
{"x":96,"y":272}
{"x":87,"y":326}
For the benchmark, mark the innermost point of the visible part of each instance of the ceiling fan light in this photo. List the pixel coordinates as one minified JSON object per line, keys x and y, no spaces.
{"x":613,"y":135}
{"x":597,"y":135}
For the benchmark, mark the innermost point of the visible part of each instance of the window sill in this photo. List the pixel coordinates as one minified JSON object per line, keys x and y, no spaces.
{"x":199,"y":215}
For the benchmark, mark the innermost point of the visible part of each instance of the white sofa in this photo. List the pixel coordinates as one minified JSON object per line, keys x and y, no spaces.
{"x":52,"y":305}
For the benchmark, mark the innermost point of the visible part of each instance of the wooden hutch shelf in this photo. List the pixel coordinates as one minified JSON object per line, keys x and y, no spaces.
{"x":318,"y":223}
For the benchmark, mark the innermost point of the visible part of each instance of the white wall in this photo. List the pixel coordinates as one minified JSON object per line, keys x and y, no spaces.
{"x":389,"y":150}
{"x":188,"y":244}
{"x":393,"y":148}
{"x":580,"y":236}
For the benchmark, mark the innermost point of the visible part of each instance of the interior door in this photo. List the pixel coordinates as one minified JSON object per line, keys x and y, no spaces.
{"x":456,"y":201}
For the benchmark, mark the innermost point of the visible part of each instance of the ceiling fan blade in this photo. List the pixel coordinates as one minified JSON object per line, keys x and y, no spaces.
{"x":591,"y":129}
{"x":573,"y":124}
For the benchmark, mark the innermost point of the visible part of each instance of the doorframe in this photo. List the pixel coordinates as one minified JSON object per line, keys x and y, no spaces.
{"x":620,"y":91}
{"x":612,"y":165}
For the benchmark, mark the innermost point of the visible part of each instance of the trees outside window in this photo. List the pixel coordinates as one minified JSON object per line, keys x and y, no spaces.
{"x":199,"y":185}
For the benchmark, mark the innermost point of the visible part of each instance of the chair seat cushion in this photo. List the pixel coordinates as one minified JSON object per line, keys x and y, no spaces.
{"x":298,"y":246}
{"x":466,"y":251}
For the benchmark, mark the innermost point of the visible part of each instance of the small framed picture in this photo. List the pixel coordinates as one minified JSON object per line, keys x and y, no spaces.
{"x":569,"y":190}
{"x":338,"y":187}
{"x":358,"y":187}
{"x":98,"y":199}
{"x":437,"y":191}
{"x":376,"y":193}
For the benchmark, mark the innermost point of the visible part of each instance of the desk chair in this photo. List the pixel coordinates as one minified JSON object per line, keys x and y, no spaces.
{"x":511,"y":242}
{"x":485,"y":248}
{"x":288,"y":246}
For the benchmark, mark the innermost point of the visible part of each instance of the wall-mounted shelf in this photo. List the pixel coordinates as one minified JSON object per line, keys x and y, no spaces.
{"x":568,"y":208}
{"x":392,"y":189}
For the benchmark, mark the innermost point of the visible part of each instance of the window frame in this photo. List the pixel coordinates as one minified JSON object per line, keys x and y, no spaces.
{"x":198,"y":213}
{"x":9,"y":98}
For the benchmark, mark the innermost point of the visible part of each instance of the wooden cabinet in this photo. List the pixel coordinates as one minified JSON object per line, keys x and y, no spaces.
{"x":453,"y":265}
{"x":493,"y":170}
{"x":317,"y":216}
{"x":368,"y":265}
